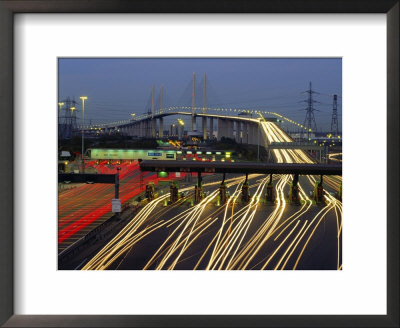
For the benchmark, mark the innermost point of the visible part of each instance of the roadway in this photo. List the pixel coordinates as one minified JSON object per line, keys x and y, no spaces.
{"x":234,"y":235}
{"x":82,"y":209}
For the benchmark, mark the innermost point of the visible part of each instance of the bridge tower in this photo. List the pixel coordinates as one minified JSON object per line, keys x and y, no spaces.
{"x":204,"y":119}
{"x":161,"y":120}
{"x":309,"y":121}
{"x":194,"y":128}
{"x":153,"y":122}
{"x":334,"y":122}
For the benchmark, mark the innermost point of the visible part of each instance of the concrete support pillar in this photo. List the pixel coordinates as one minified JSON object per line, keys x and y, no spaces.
{"x":245,"y":136}
{"x":146,"y":129}
{"x":230,"y":129}
{"x":255,"y":134}
{"x":140,"y":127}
{"x":250,"y":134}
{"x":194,"y":126}
{"x":161,"y":127}
{"x":153,"y":127}
{"x":238,"y":132}
{"x":211,"y":127}
{"x":221,"y":128}
{"x":226,"y":128}
{"x":204,"y":127}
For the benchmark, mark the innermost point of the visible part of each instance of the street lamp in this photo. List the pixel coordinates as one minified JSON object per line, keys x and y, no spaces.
{"x":60,"y":104}
{"x":133,"y":115}
{"x":83,"y":98}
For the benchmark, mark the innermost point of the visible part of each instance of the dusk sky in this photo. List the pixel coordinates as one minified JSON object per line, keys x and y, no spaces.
{"x":118,"y":87}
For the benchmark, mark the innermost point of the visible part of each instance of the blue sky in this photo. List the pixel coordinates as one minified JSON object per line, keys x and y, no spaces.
{"x":117,"y":87}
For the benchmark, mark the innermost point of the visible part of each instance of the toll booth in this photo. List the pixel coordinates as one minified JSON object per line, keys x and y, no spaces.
{"x":222,"y":193}
{"x":150,"y":191}
{"x":198,"y":190}
{"x":198,"y":194}
{"x":245,"y":192}
{"x":319,"y":192}
{"x":270,"y":196}
{"x":294,"y":191}
{"x":173,"y":190}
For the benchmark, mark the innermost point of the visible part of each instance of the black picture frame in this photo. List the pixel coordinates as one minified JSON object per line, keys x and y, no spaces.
{"x":10,"y":7}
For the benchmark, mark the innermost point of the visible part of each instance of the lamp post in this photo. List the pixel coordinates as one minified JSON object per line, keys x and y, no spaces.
{"x":60,"y":104}
{"x":83,"y":98}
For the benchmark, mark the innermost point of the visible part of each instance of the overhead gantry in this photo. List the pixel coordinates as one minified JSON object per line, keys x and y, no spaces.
{"x":294,"y":169}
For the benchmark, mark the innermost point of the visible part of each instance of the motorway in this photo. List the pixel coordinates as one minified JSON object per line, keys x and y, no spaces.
{"x":234,"y":235}
{"x":85,"y":207}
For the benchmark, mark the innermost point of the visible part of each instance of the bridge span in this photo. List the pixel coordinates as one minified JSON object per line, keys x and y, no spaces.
{"x":242,"y":129}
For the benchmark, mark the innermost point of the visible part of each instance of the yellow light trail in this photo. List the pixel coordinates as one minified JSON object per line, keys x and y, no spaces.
{"x":232,"y":246}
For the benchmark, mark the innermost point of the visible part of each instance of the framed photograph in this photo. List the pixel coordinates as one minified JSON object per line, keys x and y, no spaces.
{"x":181,"y":164}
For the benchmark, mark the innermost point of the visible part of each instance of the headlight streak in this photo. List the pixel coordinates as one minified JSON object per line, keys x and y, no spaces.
{"x":291,"y":244}
{"x":324,"y":211}
{"x":299,"y":156}
{"x":192,"y":221}
{"x":231,"y":246}
{"x":295,"y":246}
{"x":226,"y":236}
{"x":241,"y":228}
{"x":187,"y":219}
{"x":337,"y":205}
{"x":266,"y":230}
{"x":167,"y":247}
{"x":99,"y":259}
{"x":231,"y":199}
{"x":190,"y":217}
{"x":280,"y":245}
{"x":118,"y":241}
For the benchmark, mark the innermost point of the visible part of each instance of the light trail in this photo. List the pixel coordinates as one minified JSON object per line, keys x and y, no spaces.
{"x":232,"y":234}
